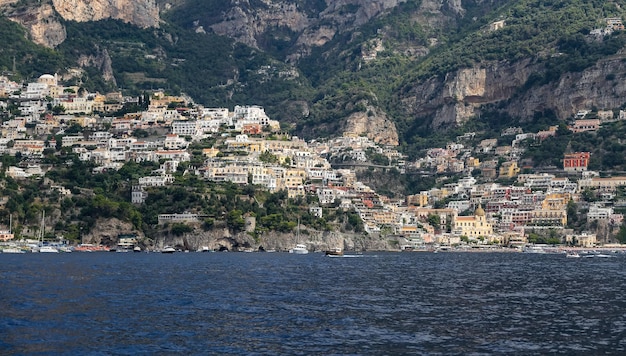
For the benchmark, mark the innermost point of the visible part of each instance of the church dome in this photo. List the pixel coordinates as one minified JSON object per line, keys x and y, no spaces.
{"x":47,"y":79}
{"x":479,"y":211}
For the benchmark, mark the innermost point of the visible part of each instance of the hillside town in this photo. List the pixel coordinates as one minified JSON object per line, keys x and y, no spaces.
{"x":497,"y":201}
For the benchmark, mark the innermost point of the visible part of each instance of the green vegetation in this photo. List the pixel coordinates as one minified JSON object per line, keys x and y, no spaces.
{"x":30,"y":60}
{"x":334,"y":81}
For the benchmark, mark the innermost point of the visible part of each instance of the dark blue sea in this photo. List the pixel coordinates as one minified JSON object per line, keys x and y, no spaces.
{"x":284,"y":304}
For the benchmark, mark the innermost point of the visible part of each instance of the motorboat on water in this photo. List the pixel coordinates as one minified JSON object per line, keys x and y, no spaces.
{"x":137,"y":249}
{"x":300,"y":249}
{"x":534,"y":249}
{"x":334,"y":252}
{"x":572,"y":254}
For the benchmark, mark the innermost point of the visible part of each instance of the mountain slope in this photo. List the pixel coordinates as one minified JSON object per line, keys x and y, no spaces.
{"x":394,"y":70}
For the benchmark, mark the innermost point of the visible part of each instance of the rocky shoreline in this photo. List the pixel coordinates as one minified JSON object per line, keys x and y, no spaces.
{"x":106,"y":232}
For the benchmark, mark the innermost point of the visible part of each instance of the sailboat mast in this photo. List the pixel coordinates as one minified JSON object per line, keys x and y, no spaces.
{"x":43,"y":224}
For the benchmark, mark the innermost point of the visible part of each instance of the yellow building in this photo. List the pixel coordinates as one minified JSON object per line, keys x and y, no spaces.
{"x":509,"y":169}
{"x":417,"y":199}
{"x":473,"y":226}
{"x":210,"y":152}
{"x":556,"y":201}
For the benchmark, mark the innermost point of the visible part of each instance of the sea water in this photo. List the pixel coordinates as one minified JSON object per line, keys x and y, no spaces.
{"x":279,"y":304}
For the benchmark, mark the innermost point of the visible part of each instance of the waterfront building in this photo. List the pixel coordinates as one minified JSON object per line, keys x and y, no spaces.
{"x":473,"y":226}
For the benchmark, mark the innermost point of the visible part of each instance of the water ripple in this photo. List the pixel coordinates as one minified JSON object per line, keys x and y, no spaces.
{"x":268,"y":304}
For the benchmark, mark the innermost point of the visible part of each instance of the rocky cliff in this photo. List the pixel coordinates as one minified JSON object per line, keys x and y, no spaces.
{"x":142,"y":13}
{"x":599,"y":86}
{"x":374,"y":124}
{"x":42,"y":18}
{"x":247,"y":23}
{"x":456,"y":97}
{"x":460,"y":95}
{"x":106,"y":232}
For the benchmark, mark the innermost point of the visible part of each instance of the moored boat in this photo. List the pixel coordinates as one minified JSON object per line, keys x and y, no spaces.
{"x":168,"y":249}
{"x":300,"y":249}
{"x":13,"y":250}
{"x":91,"y":248}
{"x":48,"y":249}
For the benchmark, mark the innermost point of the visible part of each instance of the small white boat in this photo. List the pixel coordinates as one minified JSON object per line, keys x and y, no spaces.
{"x":137,"y":249}
{"x":168,"y":249}
{"x":300,"y":249}
{"x":13,"y":250}
{"x":534,"y":249}
{"x":572,"y":255}
{"x":48,"y":249}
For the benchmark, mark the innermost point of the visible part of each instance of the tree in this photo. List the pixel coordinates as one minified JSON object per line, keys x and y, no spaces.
{"x":435,"y":221}
{"x":58,"y":109}
{"x":572,"y":213}
{"x":621,"y":235}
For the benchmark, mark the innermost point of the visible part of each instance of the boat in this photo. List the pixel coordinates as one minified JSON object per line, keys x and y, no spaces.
{"x":534,"y":249}
{"x":45,"y":248}
{"x":300,"y":249}
{"x":572,"y":254}
{"x":168,"y":249}
{"x":137,"y":249}
{"x":91,"y":248}
{"x":48,"y":249}
{"x":13,"y":250}
{"x":204,"y":249}
{"x":334,"y":252}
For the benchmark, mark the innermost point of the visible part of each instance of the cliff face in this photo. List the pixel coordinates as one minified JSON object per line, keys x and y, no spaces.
{"x":374,"y":124}
{"x":599,"y":86}
{"x":106,"y":232}
{"x":460,"y":95}
{"x":142,"y":13}
{"x":247,"y":23}
{"x":42,"y":19}
{"x":42,"y":23}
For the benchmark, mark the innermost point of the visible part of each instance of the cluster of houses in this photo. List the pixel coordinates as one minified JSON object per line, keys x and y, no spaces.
{"x":250,"y":149}
{"x":612,"y":24}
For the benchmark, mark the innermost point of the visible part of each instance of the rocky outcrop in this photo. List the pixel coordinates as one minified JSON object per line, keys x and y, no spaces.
{"x":102,"y":61}
{"x":316,"y":241}
{"x":374,"y":124}
{"x":247,"y":23}
{"x":106,"y":232}
{"x":599,"y":86}
{"x":42,"y":23}
{"x":42,"y":19}
{"x":460,"y":95}
{"x":142,"y":13}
